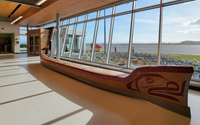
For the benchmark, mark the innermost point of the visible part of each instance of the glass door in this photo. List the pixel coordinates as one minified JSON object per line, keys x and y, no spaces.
{"x":34,"y":44}
{"x":31,"y":49}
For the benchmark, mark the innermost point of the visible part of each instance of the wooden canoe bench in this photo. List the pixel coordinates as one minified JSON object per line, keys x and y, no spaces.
{"x":166,"y":86}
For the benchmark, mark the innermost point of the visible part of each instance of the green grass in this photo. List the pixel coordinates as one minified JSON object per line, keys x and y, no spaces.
{"x":189,"y":57}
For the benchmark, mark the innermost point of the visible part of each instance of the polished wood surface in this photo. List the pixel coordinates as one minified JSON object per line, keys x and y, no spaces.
{"x":21,"y":104}
{"x":166,"y":86}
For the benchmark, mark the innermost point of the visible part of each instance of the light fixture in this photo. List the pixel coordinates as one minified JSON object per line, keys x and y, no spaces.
{"x":16,"y":20}
{"x":40,"y":2}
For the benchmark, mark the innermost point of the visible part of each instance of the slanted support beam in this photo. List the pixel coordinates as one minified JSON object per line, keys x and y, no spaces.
{"x":160,"y":33}
{"x":57,"y":35}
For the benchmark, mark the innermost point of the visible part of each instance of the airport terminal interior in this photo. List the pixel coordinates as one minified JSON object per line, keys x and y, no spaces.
{"x":55,"y":53}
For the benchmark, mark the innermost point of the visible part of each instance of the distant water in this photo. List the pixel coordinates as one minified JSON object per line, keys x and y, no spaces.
{"x":165,"y":49}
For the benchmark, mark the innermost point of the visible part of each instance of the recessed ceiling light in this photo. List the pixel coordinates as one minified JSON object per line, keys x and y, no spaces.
{"x":40,"y":2}
{"x":16,"y":20}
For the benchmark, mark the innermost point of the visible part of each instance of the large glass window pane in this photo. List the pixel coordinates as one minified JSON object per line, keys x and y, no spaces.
{"x":68,"y":41}
{"x":145,"y":38}
{"x":64,"y":22}
{"x":120,"y":40}
{"x":62,"y":36}
{"x":77,"y":41}
{"x":23,"y":43}
{"x":108,"y":11}
{"x":81,"y":18}
{"x":33,"y":28}
{"x":92,"y":15}
{"x":72,"y":20}
{"x":101,"y":46}
{"x":164,"y":1}
{"x":23,"y":28}
{"x":146,"y":3}
{"x":89,"y":34}
{"x":50,"y":25}
{"x":124,"y":7}
{"x":181,"y":36}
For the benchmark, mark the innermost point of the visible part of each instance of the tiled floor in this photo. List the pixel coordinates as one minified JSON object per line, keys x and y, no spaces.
{"x":31,"y":94}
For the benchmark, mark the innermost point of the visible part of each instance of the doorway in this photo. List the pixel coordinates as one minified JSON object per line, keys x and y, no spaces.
{"x":5,"y":43}
{"x":33,"y":44}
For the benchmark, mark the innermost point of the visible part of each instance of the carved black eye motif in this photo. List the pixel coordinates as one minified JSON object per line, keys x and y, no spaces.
{"x":149,"y":80}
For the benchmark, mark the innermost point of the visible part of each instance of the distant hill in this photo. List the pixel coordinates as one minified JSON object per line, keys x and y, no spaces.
{"x":188,"y":41}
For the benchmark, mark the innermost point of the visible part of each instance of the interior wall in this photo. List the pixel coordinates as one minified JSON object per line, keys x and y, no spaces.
{"x":6,"y":27}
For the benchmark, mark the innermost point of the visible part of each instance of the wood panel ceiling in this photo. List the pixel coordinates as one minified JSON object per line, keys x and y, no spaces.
{"x":6,"y":9}
{"x":66,"y":8}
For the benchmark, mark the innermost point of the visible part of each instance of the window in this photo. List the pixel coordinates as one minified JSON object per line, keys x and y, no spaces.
{"x":68,"y":41}
{"x":62,"y":37}
{"x":106,"y":12}
{"x":146,"y":3}
{"x":77,"y":41}
{"x":120,"y":40}
{"x":180,"y":24}
{"x":124,"y":7}
{"x":64,"y":22}
{"x":72,"y":20}
{"x":50,"y":25}
{"x":181,"y":39}
{"x":145,"y":39}
{"x":101,"y":46}
{"x":92,"y":15}
{"x":86,"y":50}
{"x":81,"y":18}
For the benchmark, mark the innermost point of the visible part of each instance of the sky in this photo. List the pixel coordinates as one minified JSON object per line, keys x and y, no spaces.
{"x":180,"y":22}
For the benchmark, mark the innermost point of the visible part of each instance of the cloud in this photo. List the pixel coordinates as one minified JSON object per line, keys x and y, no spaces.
{"x":193,"y":22}
{"x":169,"y":20}
{"x":196,"y":30}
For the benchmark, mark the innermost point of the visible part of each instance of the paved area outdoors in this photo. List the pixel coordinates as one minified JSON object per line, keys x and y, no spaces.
{"x":31,"y":94}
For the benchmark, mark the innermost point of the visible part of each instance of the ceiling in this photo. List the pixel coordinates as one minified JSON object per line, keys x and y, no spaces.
{"x":34,"y":16}
{"x":24,"y":2}
{"x":6,"y":8}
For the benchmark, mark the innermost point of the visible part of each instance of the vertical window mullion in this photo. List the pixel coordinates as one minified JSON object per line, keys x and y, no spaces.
{"x":52,"y":45}
{"x":110,"y":35}
{"x":160,"y":33}
{"x":83,"y":36}
{"x":65,"y":38}
{"x":73,"y":36}
{"x":131,"y":35}
{"x":95,"y":35}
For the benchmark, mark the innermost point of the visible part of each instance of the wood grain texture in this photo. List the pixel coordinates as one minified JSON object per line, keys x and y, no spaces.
{"x":168,"y":89}
{"x":6,"y":8}
{"x":166,"y":86}
{"x":66,"y":8}
{"x":20,"y":10}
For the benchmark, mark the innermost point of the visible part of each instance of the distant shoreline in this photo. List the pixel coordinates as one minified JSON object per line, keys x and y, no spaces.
{"x":157,"y":44}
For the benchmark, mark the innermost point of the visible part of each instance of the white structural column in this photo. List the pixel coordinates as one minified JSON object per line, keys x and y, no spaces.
{"x":131,"y":36}
{"x":53,"y":44}
{"x":160,"y":33}
{"x":57,"y":35}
